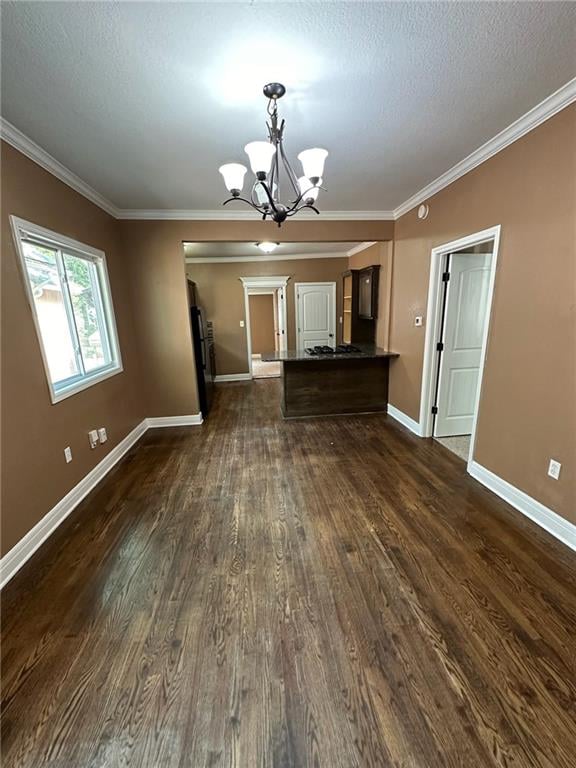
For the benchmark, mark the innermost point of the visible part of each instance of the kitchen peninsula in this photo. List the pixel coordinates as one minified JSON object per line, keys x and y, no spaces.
{"x":318,"y":382}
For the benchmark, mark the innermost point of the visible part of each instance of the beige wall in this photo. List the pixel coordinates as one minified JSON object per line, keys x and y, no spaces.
{"x":262,"y":334}
{"x":379,"y":253}
{"x":35,"y":431}
{"x":528,"y":403}
{"x":221,"y":293}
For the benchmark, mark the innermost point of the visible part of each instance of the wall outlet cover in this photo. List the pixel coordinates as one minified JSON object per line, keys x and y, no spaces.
{"x":68,"y":454}
{"x":102,"y":435}
{"x":554,"y":469}
{"x":93,"y":438}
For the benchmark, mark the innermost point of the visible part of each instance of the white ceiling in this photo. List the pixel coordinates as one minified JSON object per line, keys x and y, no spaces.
{"x":143,"y":101}
{"x":227,"y":250}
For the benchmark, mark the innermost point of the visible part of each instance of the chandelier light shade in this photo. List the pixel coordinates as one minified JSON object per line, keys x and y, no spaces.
{"x":260,"y":154}
{"x":233,"y":174}
{"x":313,"y":162}
{"x":268,"y":161}
{"x":308,"y":190}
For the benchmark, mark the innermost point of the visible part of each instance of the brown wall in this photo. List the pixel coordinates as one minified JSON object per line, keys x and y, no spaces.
{"x":262,"y":335}
{"x":221,"y":293}
{"x":35,"y":431}
{"x":528,"y":403}
{"x":379,"y":253}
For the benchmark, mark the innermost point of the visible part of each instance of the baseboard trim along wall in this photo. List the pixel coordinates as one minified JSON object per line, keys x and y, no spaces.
{"x":174,"y":421}
{"x":545,"y":517}
{"x":232,"y":377}
{"x":405,"y":420}
{"x":13,"y":560}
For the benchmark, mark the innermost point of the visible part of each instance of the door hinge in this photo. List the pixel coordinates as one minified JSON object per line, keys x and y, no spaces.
{"x":445,"y":277}
{"x":440,"y":347}
{"x":434,"y":409}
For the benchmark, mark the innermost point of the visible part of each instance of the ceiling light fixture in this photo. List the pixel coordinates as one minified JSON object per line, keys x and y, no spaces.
{"x":265,"y":158}
{"x":267,"y":247}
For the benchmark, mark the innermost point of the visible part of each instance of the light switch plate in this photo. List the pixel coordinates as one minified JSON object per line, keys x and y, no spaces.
{"x":418,"y":321}
{"x":554,"y":469}
{"x":241,"y":323}
{"x":93,"y":438}
{"x":68,"y":454}
{"x":102,"y":435}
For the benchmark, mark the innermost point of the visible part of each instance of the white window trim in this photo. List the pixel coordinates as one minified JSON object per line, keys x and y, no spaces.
{"x":20,"y":229}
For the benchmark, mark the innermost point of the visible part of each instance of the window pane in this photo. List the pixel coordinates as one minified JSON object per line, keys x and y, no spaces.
{"x":83,"y":285}
{"x":51,"y":311}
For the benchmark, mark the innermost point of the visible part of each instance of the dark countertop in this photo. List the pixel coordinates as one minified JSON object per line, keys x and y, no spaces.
{"x":299,"y":355}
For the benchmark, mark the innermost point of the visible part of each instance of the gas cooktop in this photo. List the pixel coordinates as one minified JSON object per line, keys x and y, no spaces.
{"x":340,"y":349}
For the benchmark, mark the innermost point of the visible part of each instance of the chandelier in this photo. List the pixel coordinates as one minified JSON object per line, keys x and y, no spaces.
{"x":266,"y":159}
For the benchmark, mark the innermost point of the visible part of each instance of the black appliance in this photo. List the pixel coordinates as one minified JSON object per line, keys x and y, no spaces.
{"x":203,"y":345}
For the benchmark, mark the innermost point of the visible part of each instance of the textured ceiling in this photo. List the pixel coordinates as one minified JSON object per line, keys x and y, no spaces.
{"x":144,"y":101}
{"x":227,"y":250}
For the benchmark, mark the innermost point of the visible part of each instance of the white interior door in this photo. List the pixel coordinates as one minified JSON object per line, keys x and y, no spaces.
{"x":281,"y":319}
{"x":315,"y":314}
{"x":465,"y":316}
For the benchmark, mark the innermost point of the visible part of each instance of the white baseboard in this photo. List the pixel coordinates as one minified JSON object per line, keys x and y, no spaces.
{"x":405,"y":420}
{"x":232,"y":377}
{"x":545,"y":517}
{"x":174,"y":421}
{"x":25,"y":548}
{"x":13,"y":560}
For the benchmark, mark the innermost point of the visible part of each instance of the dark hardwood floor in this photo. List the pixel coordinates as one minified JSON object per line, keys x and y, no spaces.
{"x":331,"y":592}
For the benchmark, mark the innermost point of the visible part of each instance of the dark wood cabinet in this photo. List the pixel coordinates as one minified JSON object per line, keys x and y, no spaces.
{"x":360,"y":305}
{"x":368,"y":293}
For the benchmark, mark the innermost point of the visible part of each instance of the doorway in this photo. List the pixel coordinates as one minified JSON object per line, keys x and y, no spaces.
{"x":459,"y":302}
{"x":265,"y":311}
{"x":315,"y":314}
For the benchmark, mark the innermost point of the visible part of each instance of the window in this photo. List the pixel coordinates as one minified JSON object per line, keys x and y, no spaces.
{"x":69,"y":294}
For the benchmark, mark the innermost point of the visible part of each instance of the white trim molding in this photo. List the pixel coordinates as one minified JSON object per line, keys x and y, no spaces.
{"x":224,"y":377}
{"x":264,"y":257}
{"x":165,"y":214}
{"x":21,"y":552}
{"x":554,"y":103}
{"x":404,"y":419}
{"x":361,"y":247}
{"x":543,"y":516}
{"x":194,"y":419}
{"x":11,"y":135}
{"x":265,"y":282}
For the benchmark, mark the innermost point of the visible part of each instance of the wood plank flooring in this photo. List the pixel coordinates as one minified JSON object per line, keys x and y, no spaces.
{"x":330,"y":592}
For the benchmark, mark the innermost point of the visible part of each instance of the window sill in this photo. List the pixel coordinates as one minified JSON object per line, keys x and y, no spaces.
{"x":87,"y":382}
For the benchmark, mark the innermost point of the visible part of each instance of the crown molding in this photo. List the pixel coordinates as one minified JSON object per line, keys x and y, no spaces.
{"x":547,"y":108}
{"x":11,"y":135}
{"x":360,"y":247}
{"x":554,"y":103}
{"x":165,"y":214}
{"x":264,"y":257}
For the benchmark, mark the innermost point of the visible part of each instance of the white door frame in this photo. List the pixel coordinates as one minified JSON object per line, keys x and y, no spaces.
{"x":433,"y":323}
{"x":312,"y":282}
{"x":255,"y":285}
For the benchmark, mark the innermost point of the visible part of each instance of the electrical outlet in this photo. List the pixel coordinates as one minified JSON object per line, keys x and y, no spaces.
{"x":102,"y":436}
{"x":68,"y":454}
{"x":418,"y":321}
{"x":241,"y":323}
{"x":554,"y":469}
{"x":93,"y":438}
